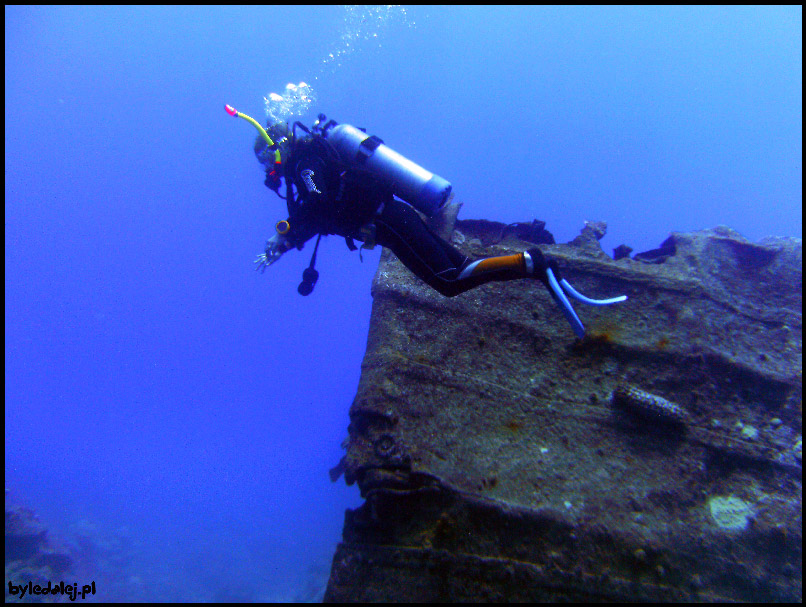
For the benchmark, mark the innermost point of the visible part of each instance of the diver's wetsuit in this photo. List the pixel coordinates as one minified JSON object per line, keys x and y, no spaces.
{"x":335,"y":199}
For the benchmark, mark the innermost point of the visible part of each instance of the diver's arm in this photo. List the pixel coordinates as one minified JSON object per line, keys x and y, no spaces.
{"x":299,"y":232}
{"x":304,"y":214}
{"x":287,"y":236}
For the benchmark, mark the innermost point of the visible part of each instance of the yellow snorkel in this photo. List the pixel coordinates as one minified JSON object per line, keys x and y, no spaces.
{"x":233,"y":112}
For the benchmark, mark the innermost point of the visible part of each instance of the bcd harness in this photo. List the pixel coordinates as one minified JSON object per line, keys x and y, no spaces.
{"x":365,"y":233}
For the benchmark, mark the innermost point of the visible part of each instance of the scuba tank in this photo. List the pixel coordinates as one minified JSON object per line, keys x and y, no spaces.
{"x":422,"y":189}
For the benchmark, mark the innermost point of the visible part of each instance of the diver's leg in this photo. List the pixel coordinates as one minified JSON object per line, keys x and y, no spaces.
{"x":399,"y":228}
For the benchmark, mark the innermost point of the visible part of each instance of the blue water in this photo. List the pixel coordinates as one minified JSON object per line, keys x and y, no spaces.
{"x":158,"y":389}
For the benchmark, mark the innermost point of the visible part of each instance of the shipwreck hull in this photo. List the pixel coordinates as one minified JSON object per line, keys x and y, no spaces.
{"x":496,"y":465}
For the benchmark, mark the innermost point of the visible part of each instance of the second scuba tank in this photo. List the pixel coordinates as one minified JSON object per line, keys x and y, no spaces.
{"x":422,"y":189}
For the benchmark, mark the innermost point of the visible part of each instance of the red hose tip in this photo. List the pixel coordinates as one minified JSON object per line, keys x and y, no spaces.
{"x":231,"y":110}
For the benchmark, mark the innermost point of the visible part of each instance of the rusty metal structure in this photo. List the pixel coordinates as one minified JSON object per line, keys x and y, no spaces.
{"x":496,"y":466}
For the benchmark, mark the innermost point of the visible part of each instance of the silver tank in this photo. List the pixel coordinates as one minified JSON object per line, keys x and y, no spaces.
{"x":422,"y":189}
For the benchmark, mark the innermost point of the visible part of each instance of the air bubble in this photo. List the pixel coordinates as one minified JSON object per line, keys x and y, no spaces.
{"x":365,"y":23}
{"x":294,"y":102}
{"x":360,"y":26}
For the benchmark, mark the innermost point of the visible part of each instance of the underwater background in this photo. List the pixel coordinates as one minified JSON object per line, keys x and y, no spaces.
{"x":170,"y":413}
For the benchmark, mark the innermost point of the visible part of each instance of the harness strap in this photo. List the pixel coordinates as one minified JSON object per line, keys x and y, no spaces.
{"x":366,"y":148}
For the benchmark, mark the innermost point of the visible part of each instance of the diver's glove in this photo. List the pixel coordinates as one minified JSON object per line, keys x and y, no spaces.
{"x":548,"y":272}
{"x":275,"y":247}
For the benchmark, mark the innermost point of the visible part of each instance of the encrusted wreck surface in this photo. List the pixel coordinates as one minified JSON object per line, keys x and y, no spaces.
{"x":495,"y":465}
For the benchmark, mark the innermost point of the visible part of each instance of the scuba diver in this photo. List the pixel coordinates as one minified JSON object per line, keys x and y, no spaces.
{"x":339,"y":180}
